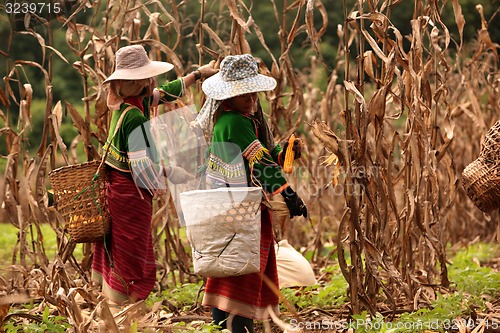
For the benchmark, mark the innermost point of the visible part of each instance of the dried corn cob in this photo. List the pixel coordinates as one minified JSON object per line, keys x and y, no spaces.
{"x":289,"y":156}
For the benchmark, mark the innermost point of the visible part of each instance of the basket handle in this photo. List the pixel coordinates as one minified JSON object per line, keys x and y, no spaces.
{"x":118,"y":124}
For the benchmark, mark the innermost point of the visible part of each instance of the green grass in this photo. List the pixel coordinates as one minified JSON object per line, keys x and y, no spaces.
{"x":8,"y":239}
{"x":332,"y":293}
{"x":49,"y":323}
{"x":9,"y":236}
{"x":474,"y":281}
{"x":473,"y":284}
{"x":181,"y":297}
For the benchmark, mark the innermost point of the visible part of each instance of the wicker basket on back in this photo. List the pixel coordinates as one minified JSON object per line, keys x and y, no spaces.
{"x":481,"y":178}
{"x":80,"y":197}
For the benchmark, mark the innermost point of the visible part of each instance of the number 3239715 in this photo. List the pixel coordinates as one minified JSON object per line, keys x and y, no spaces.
{"x":26,"y":7}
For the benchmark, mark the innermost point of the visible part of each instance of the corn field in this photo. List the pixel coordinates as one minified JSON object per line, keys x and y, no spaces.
{"x":386,"y":138}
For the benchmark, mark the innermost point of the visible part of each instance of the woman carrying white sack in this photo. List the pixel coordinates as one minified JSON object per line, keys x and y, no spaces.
{"x":235,"y":125}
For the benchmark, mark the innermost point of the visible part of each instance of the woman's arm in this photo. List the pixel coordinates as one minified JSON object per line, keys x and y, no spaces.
{"x":172,"y":90}
{"x":202,"y":72}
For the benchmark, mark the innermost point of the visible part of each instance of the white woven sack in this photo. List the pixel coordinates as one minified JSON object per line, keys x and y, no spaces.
{"x":293,"y":269}
{"x":223,"y":227}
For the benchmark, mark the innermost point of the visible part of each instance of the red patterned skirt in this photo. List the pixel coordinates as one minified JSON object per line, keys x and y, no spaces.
{"x":249,"y":295}
{"x":131,"y":272}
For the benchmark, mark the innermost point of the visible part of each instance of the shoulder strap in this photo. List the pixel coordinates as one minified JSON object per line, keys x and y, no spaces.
{"x":120,"y":120}
{"x":118,"y":124}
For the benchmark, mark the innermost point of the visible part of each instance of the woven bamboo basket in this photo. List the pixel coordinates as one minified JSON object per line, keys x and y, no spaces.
{"x":491,"y":146}
{"x":481,"y":178}
{"x":80,"y":197}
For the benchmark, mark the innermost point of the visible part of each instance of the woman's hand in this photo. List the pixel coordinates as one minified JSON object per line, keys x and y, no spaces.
{"x":297,"y":148}
{"x":202,"y":72}
{"x":294,"y":203}
{"x":208,"y":70}
{"x":177,"y":175}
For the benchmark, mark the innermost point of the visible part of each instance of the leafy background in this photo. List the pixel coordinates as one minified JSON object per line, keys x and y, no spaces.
{"x":391,"y":98}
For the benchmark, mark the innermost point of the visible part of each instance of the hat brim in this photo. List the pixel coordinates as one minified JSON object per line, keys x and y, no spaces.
{"x":153,"y":68}
{"x":216,"y":88}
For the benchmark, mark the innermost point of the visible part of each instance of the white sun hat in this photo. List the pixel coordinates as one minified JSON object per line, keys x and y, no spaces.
{"x":132,"y":63}
{"x":238,"y":75}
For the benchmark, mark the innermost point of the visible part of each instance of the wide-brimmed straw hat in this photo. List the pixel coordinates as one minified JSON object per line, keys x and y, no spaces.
{"x":238,"y":75}
{"x":132,"y":63}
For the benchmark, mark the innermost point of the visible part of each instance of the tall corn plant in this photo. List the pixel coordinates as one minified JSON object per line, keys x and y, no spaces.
{"x":401,"y":187}
{"x":23,"y":196}
{"x":112,"y":25}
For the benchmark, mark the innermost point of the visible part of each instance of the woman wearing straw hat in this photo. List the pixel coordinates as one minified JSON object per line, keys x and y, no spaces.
{"x":231,"y":117}
{"x":124,"y":265}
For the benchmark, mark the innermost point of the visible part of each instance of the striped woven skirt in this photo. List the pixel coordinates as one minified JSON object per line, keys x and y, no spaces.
{"x":249,"y":295}
{"x":124,"y":264}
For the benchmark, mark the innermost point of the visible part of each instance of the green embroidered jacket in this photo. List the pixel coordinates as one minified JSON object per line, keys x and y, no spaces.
{"x":238,"y":157}
{"x":139,"y":154}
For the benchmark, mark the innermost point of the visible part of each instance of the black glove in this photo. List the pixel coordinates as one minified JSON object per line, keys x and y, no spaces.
{"x":297,"y":148}
{"x":294,"y":203}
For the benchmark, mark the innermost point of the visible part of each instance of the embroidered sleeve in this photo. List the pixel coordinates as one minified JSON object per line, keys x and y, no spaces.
{"x":146,"y":174}
{"x":254,"y":152}
{"x":142,"y":155}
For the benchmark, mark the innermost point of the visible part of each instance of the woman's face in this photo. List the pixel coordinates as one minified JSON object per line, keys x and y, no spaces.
{"x":149,"y":86}
{"x":244,"y":103}
{"x":132,"y":88}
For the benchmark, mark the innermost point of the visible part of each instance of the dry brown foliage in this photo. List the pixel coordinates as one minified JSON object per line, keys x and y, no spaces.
{"x":385,"y":147}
